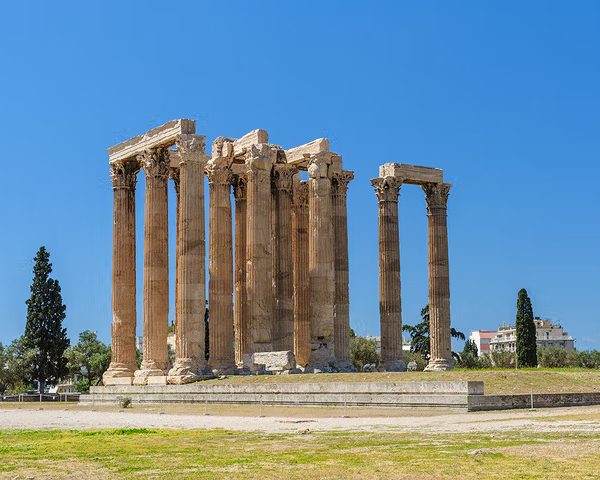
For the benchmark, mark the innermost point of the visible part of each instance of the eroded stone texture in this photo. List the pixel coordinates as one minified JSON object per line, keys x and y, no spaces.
{"x":190,"y":362}
{"x":242,"y":336}
{"x":259,"y":161}
{"x":220,"y":293}
{"x":339,"y":189}
{"x":123,"y":365}
{"x":436,"y":196}
{"x":283,"y":312}
{"x":155,"y":163}
{"x":301,"y":295}
{"x":274,"y":361}
{"x":321,"y":262}
{"x":390,"y":307}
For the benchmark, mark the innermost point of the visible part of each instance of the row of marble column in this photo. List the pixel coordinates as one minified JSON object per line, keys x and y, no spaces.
{"x":288,"y":288}
{"x":390,"y":306}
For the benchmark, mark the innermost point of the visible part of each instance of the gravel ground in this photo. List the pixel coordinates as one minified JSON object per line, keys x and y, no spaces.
{"x":561,"y":419}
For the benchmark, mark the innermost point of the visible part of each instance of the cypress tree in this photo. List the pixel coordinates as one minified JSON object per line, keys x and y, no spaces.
{"x":44,"y":332}
{"x":526,"y":338}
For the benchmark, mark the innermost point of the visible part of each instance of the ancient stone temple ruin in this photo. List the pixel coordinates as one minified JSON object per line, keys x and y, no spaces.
{"x":387,"y":188}
{"x":278,"y":255}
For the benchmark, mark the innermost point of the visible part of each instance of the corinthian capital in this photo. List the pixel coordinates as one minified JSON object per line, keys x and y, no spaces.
{"x":340,"y":180}
{"x":282,"y":178}
{"x":155,"y":162}
{"x":218,"y":175}
{"x":261,"y":156}
{"x":240,"y":187}
{"x":300,"y":194}
{"x":318,"y":165}
{"x":191,"y":148}
{"x":387,"y":189}
{"x":436,"y":196}
{"x":124,"y":175}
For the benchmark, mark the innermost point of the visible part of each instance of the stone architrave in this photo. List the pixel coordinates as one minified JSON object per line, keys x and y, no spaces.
{"x":220,"y":290}
{"x":339,"y":189}
{"x":436,"y":196}
{"x":190,"y":361}
{"x":321,"y":262}
{"x":123,"y":362}
{"x":259,"y":293}
{"x":283,"y":310}
{"x":155,"y":163}
{"x":300,"y":272}
{"x":390,"y":307}
{"x":242,"y":337}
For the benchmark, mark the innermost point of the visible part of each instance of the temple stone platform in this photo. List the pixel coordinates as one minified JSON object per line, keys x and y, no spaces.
{"x":461,"y":396}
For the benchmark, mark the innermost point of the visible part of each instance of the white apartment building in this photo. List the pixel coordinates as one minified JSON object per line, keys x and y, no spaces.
{"x":548,"y":335}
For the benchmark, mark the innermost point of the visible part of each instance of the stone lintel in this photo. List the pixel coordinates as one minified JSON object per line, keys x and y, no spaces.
{"x":412,"y":174}
{"x":300,"y":156}
{"x":255,"y":136}
{"x":163,"y":136}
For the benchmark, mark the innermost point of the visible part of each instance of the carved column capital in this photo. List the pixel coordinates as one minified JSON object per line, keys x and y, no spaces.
{"x":191,"y":148}
{"x":282,"y":177}
{"x":318,"y":165}
{"x":240,"y":187}
{"x":340,"y":181}
{"x":219,"y":175}
{"x":387,"y":189}
{"x":174,"y":174}
{"x":436,"y":196}
{"x":124,"y":175}
{"x":155,"y":162}
{"x":260,"y":156}
{"x":300,"y":194}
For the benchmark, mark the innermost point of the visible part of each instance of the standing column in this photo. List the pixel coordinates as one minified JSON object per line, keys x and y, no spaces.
{"x":321,"y":263}
{"x":259,"y":161}
{"x":242,"y":340}
{"x":300,"y":273}
{"x":123,"y":365}
{"x":156,"y":267}
{"x":390,"y":306}
{"x":220,"y":285}
{"x":341,"y":317}
{"x":436,"y":196}
{"x":283,"y":318}
{"x":190,"y":287}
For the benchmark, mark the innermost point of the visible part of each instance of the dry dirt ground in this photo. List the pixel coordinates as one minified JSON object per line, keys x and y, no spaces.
{"x":287,"y":420}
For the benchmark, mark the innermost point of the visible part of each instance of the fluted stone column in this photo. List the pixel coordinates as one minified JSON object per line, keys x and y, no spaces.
{"x":321,"y":263}
{"x":390,"y":307}
{"x":156,"y":268}
{"x":339,"y":189}
{"x":220,"y":293}
{"x":436,"y":196}
{"x":301,"y":282}
{"x":283,"y":314}
{"x":190,"y":362}
{"x":242,"y":337}
{"x":123,"y":365}
{"x":259,"y":161}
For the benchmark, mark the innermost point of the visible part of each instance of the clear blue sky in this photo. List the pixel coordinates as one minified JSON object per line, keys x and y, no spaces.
{"x":504,"y":96}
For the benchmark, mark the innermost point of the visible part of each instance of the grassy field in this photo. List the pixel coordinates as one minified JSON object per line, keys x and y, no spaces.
{"x":496,"y":381}
{"x":173,"y":454}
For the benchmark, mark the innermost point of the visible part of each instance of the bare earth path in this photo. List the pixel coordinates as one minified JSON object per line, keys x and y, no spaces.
{"x":580,"y":419}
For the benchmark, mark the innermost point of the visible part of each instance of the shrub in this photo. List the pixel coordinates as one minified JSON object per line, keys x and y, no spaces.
{"x":503,"y":359}
{"x":468,"y":360}
{"x":418,"y":358}
{"x":125,"y":402}
{"x":589,"y":359}
{"x":363,"y":351}
{"x":554,"y":357}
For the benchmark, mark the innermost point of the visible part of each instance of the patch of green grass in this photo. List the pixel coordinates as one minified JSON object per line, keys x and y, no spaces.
{"x":175,"y":454}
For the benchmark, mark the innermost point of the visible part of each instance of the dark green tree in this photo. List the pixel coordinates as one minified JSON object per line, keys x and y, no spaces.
{"x":525,"y":326}
{"x":44,"y":331}
{"x":419,"y":334}
{"x":363,"y":351}
{"x":16,"y":367}
{"x":470,"y":348}
{"x":87,"y":360}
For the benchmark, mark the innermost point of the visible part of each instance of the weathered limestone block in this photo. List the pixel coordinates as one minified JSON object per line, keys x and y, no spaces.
{"x":274,"y":361}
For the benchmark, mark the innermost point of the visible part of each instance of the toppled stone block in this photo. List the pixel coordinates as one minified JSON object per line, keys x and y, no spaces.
{"x":274,"y":361}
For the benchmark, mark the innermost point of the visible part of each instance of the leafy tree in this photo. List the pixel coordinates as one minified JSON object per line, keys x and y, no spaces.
{"x":16,"y":367}
{"x":44,"y":332}
{"x":352,"y":333}
{"x":469,"y":358}
{"x":363,"y":351}
{"x":526,"y":335}
{"x":419,"y":334}
{"x":470,"y":348}
{"x":87,"y":360}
